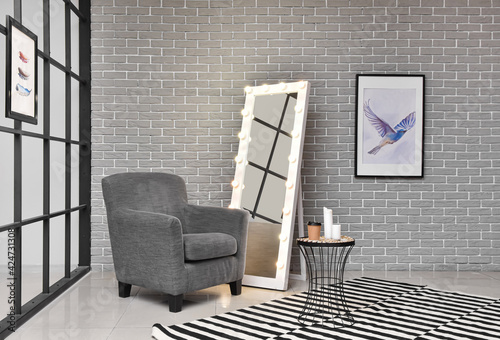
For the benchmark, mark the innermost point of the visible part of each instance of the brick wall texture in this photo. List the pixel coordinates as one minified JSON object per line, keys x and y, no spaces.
{"x":167,"y":91}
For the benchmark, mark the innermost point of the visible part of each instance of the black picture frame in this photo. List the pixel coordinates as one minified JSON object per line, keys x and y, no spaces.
{"x":389,"y":138}
{"x":21,"y":73}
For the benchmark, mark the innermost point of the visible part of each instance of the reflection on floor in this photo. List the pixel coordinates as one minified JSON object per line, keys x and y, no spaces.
{"x":92,"y":309}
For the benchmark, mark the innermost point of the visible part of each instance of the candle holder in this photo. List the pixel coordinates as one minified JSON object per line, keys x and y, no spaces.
{"x":336,"y":234}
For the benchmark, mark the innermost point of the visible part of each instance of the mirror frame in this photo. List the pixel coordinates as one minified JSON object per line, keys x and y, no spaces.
{"x":280,"y":281}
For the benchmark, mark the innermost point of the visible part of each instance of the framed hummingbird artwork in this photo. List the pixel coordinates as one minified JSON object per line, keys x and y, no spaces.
{"x":22,"y":72}
{"x":389,"y":125}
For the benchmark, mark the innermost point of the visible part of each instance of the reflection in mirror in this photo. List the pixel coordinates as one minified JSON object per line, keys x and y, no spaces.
{"x":260,"y":146}
{"x":276,"y":110}
{"x":266,"y":175}
{"x":262,"y":248}
{"x":279,"y":163}
{"x":264,"y":184}
{"x":252,"y":191}
{"x":270,"y":203}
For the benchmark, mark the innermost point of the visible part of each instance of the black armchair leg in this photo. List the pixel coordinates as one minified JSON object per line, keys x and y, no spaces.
{"x":235,"y":287}
{"x":124,"y":289}
{"x":175,"y":303}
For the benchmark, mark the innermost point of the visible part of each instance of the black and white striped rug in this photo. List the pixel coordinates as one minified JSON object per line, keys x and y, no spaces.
{"x":381,"y":310}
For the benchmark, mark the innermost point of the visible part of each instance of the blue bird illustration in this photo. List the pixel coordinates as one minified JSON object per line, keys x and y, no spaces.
{"x":388,"y":134}
{"x":22,"y":90}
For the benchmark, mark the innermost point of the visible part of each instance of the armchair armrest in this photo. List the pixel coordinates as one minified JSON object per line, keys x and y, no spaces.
{"x":206,"y":219}
{"x":145,"y":244}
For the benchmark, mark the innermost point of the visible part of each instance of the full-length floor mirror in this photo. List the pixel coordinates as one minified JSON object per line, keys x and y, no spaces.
{"x":267,"y":177}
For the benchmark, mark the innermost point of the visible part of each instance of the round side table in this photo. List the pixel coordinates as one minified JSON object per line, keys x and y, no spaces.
{"x":325,"y":261}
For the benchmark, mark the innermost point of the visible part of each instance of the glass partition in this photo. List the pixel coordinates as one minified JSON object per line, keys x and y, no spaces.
{"x":57,"y":176}
{"x":32,"y":259}
{"x":7,"y":8}
{"x":75,"y":216}
{"x":4,"y":275}
{"x":57,"y":31}
{"x":6,"y":180}
{"x":33,"y":18}
{"x":45,"y":167}
{"x":57,"y":247}
{"x":57,"y":103}
{"x":75,"y":110}
{"x":75,"y":46}
{"x":32,"y":177}
{"x":75,"y":176}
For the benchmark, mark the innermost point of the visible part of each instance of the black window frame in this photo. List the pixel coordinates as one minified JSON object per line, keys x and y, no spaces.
{"x":21,"y":313}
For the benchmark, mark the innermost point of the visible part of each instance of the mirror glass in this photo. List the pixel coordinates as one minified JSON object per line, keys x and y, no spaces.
{"x":272,"y":130}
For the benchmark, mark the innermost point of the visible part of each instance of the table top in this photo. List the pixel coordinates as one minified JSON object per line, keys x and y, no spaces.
{"x":327,"y":242}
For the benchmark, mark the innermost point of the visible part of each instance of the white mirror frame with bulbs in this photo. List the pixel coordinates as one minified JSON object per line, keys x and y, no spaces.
{"x":280,"y":281}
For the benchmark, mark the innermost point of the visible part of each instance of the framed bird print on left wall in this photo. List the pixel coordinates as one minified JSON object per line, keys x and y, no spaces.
{"x":22,"y":71}
{"x":389,"y":125}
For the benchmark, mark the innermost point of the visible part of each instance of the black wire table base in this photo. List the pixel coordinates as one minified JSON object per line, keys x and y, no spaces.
{"x":326,"y":303}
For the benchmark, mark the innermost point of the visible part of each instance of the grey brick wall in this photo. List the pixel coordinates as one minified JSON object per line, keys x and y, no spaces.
{"x":167,"y":91}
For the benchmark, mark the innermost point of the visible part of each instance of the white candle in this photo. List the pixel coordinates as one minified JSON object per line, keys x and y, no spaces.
{"x":336,"y":232}
{"x":328,"y":231}
{"x":328,"y":221}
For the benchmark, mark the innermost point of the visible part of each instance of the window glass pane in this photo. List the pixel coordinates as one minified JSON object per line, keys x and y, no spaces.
{"x":6,"y":178}
{"x":57,"y":103}
{"x":57,"y":176}
{"x":33,"y":18}
{"x":75,"y":175}
{"x":75,"y":109}
{"x":74,"y":238}
{"x":7,"y":122}
{"x":32,"y":260}
{"x":76,"y":3}
{"x":38,"y":128}
{"x":75,"y":43}
{"x":56,"y":249}
{"x":32,"y":186}
{"x":57,"y":39}
{"x":7,"y":8}
{"x":4,"y":275}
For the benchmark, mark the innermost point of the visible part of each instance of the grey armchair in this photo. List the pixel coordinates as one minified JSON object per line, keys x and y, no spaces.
{"x":161,"y":242}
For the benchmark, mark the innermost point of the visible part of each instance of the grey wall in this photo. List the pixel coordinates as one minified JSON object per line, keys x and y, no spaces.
{"x":167,"y":92}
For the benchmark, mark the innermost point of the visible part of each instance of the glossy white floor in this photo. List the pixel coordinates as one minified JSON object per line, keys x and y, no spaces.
{"x":92,"y":309}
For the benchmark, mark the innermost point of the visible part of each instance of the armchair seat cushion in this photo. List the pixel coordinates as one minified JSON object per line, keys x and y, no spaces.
{"x":204,"y":246}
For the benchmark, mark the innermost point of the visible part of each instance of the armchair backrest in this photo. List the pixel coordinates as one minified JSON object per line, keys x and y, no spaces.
{"x":146,"y":191}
